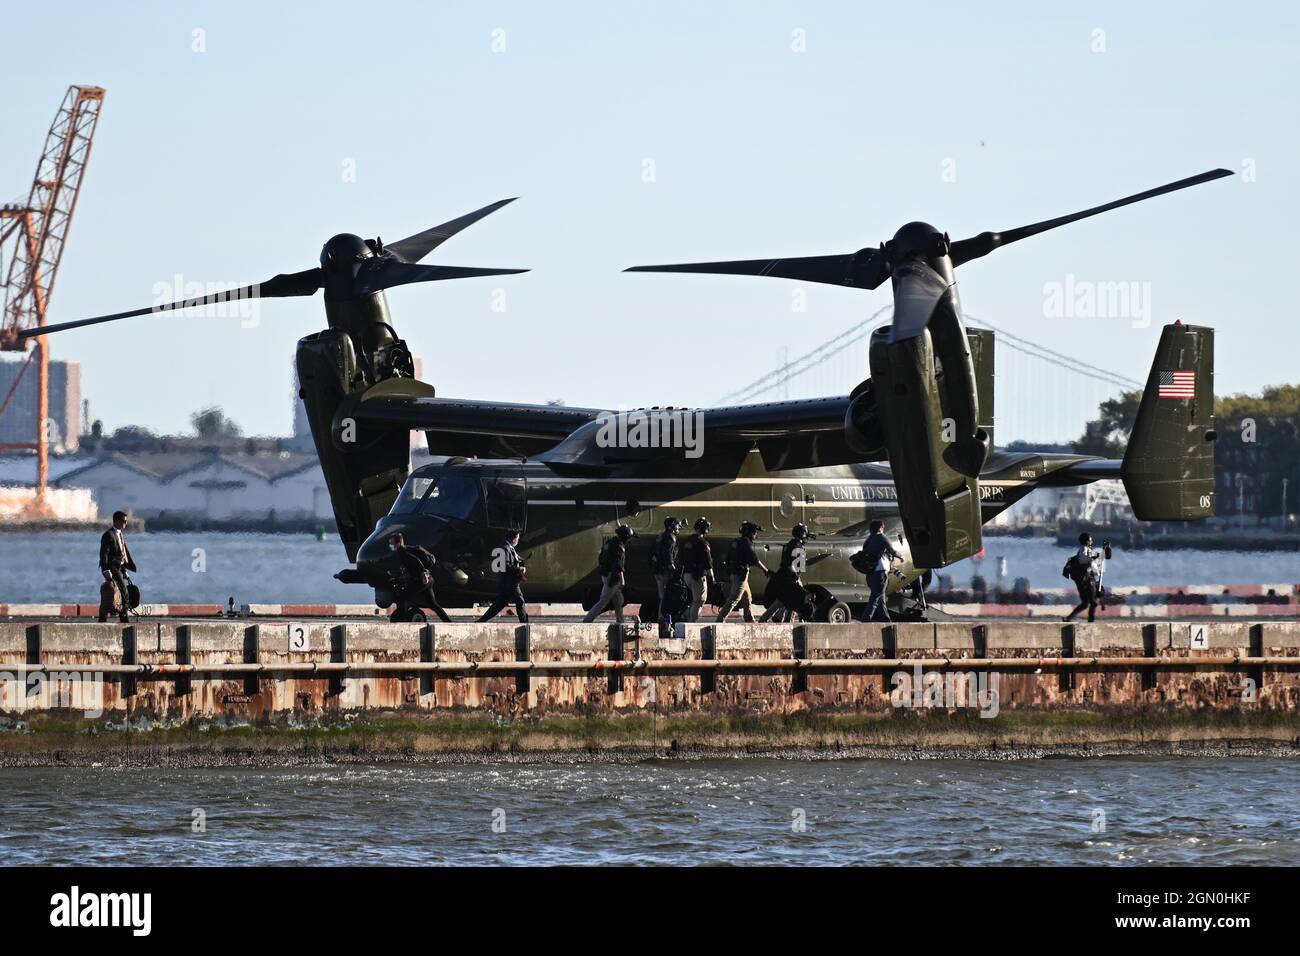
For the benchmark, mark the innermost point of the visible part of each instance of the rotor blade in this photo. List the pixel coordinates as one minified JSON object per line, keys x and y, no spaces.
{"x":382,"y":272}
{"x":277,"y":287}
{"x":917,"y":290}
{"x":863,"y":270}
{"x":964,"y":250}
{"x":416,"y":247}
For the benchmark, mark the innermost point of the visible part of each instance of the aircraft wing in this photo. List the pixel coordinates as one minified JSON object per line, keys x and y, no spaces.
{"x":791,"y":434}
{"x":455,"y":426}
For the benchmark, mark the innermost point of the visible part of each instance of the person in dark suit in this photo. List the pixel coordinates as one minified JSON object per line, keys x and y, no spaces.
{"x":416,"y":579}
{"x":510,"y":576}
{"x":880,"y":556}
{"x":114,"y":561}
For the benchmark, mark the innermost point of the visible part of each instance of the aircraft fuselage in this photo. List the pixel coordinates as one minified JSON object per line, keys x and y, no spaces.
{"x":460,"y":509}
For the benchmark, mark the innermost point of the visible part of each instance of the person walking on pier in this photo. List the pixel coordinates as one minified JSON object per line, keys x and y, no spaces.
{"x":789,"y":599}
{"x":740,"y":559}
{"x":697,"y":566}
{"x":613,"y":563}
{"x":1085,"y":568}
{"x":663,"y":556}
{"x":416,"y":579}
{"x":511,"y":574}
{"x":878,"y":557}
{"x":114,"y":561}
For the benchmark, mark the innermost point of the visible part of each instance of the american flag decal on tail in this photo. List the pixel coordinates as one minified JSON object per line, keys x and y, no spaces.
{"x":1177,"y":384}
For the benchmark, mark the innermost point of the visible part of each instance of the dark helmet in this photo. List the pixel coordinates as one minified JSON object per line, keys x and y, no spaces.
{"x":748,"y":529}
{"x":1085,"y":538}
{"x":672,"y":523}
{"x":800,"y":531}
{"x":702,"y":525}
{"x":623,"y":532}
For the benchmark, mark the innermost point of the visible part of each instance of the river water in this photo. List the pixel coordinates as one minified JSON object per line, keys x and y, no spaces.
{"x":1118,"y":811}
{"x":210,"y":568}
{"x":742,"y":811}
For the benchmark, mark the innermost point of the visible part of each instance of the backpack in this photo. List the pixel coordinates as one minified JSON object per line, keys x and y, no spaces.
{"x":733,"y":560}
{"x":662,"y":553}
{"x":862,"y":563}
{"x":696,"y":556}
{"x":424,"y":556}
{"x":426,"y":562}
{"x":605,"y":562}
{"x":1075,"y":570}
{"x":677,"y":600}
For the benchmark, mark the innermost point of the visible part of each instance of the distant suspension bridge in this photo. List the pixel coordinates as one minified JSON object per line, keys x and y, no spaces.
{"x":1041,"y":395}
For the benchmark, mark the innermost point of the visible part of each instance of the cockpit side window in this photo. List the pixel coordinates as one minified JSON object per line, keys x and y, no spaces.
{"x":442,"y":495}
{"x":408,"y":500}
{"x":451,"y":498}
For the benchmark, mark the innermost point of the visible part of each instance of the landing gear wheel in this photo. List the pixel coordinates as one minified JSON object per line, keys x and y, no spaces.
{"x":837,"y":612}
{"x":403,"y":614}
{"x":823,"y":603}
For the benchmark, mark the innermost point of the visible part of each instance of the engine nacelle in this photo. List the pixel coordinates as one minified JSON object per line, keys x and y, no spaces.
{"x":862,"y":430}
{"x":363,"y":475}
{"x":938,"y":503}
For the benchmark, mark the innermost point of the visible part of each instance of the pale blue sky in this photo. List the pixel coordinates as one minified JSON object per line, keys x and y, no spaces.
{"x":226,"y":166}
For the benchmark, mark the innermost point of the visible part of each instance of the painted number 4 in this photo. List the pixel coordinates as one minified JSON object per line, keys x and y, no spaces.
{"x":298,"y":637}
{"x":1197,"y":639}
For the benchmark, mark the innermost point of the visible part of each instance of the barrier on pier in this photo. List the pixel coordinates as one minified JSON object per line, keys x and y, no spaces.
{"x":257,"y":671}
{"x":1237,"y":600}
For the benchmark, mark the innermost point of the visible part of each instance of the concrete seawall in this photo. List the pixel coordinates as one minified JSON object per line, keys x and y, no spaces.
{"x":571,"y":685}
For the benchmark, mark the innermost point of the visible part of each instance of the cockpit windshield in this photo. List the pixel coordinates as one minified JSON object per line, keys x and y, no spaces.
{"x":441,"y":495}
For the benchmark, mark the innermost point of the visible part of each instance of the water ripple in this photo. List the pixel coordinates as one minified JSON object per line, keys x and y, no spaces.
{"x":1130,"y":811}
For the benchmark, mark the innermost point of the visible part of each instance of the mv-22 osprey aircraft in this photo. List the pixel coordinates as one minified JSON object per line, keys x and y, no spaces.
{"x":912,"y":444}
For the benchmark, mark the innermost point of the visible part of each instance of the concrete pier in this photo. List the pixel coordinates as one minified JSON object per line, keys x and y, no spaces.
{"x":175,"y":692}
{"x":178,"y":671}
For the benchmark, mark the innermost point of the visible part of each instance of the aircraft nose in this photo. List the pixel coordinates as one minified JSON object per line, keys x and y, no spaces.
{"x":375,"y":559}
{"x":374,"y":550}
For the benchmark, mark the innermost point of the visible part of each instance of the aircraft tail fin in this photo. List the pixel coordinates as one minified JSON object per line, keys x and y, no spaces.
{"x":1168,"y":469}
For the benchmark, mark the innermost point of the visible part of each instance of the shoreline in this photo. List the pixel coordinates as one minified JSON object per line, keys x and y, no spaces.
{"x":451,"y":741}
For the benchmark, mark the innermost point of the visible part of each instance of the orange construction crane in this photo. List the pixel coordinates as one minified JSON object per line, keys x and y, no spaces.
{"x":35,"y":232}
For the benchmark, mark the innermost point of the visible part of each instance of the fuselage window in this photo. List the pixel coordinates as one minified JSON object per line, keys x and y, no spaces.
{"x":506,"y":502}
